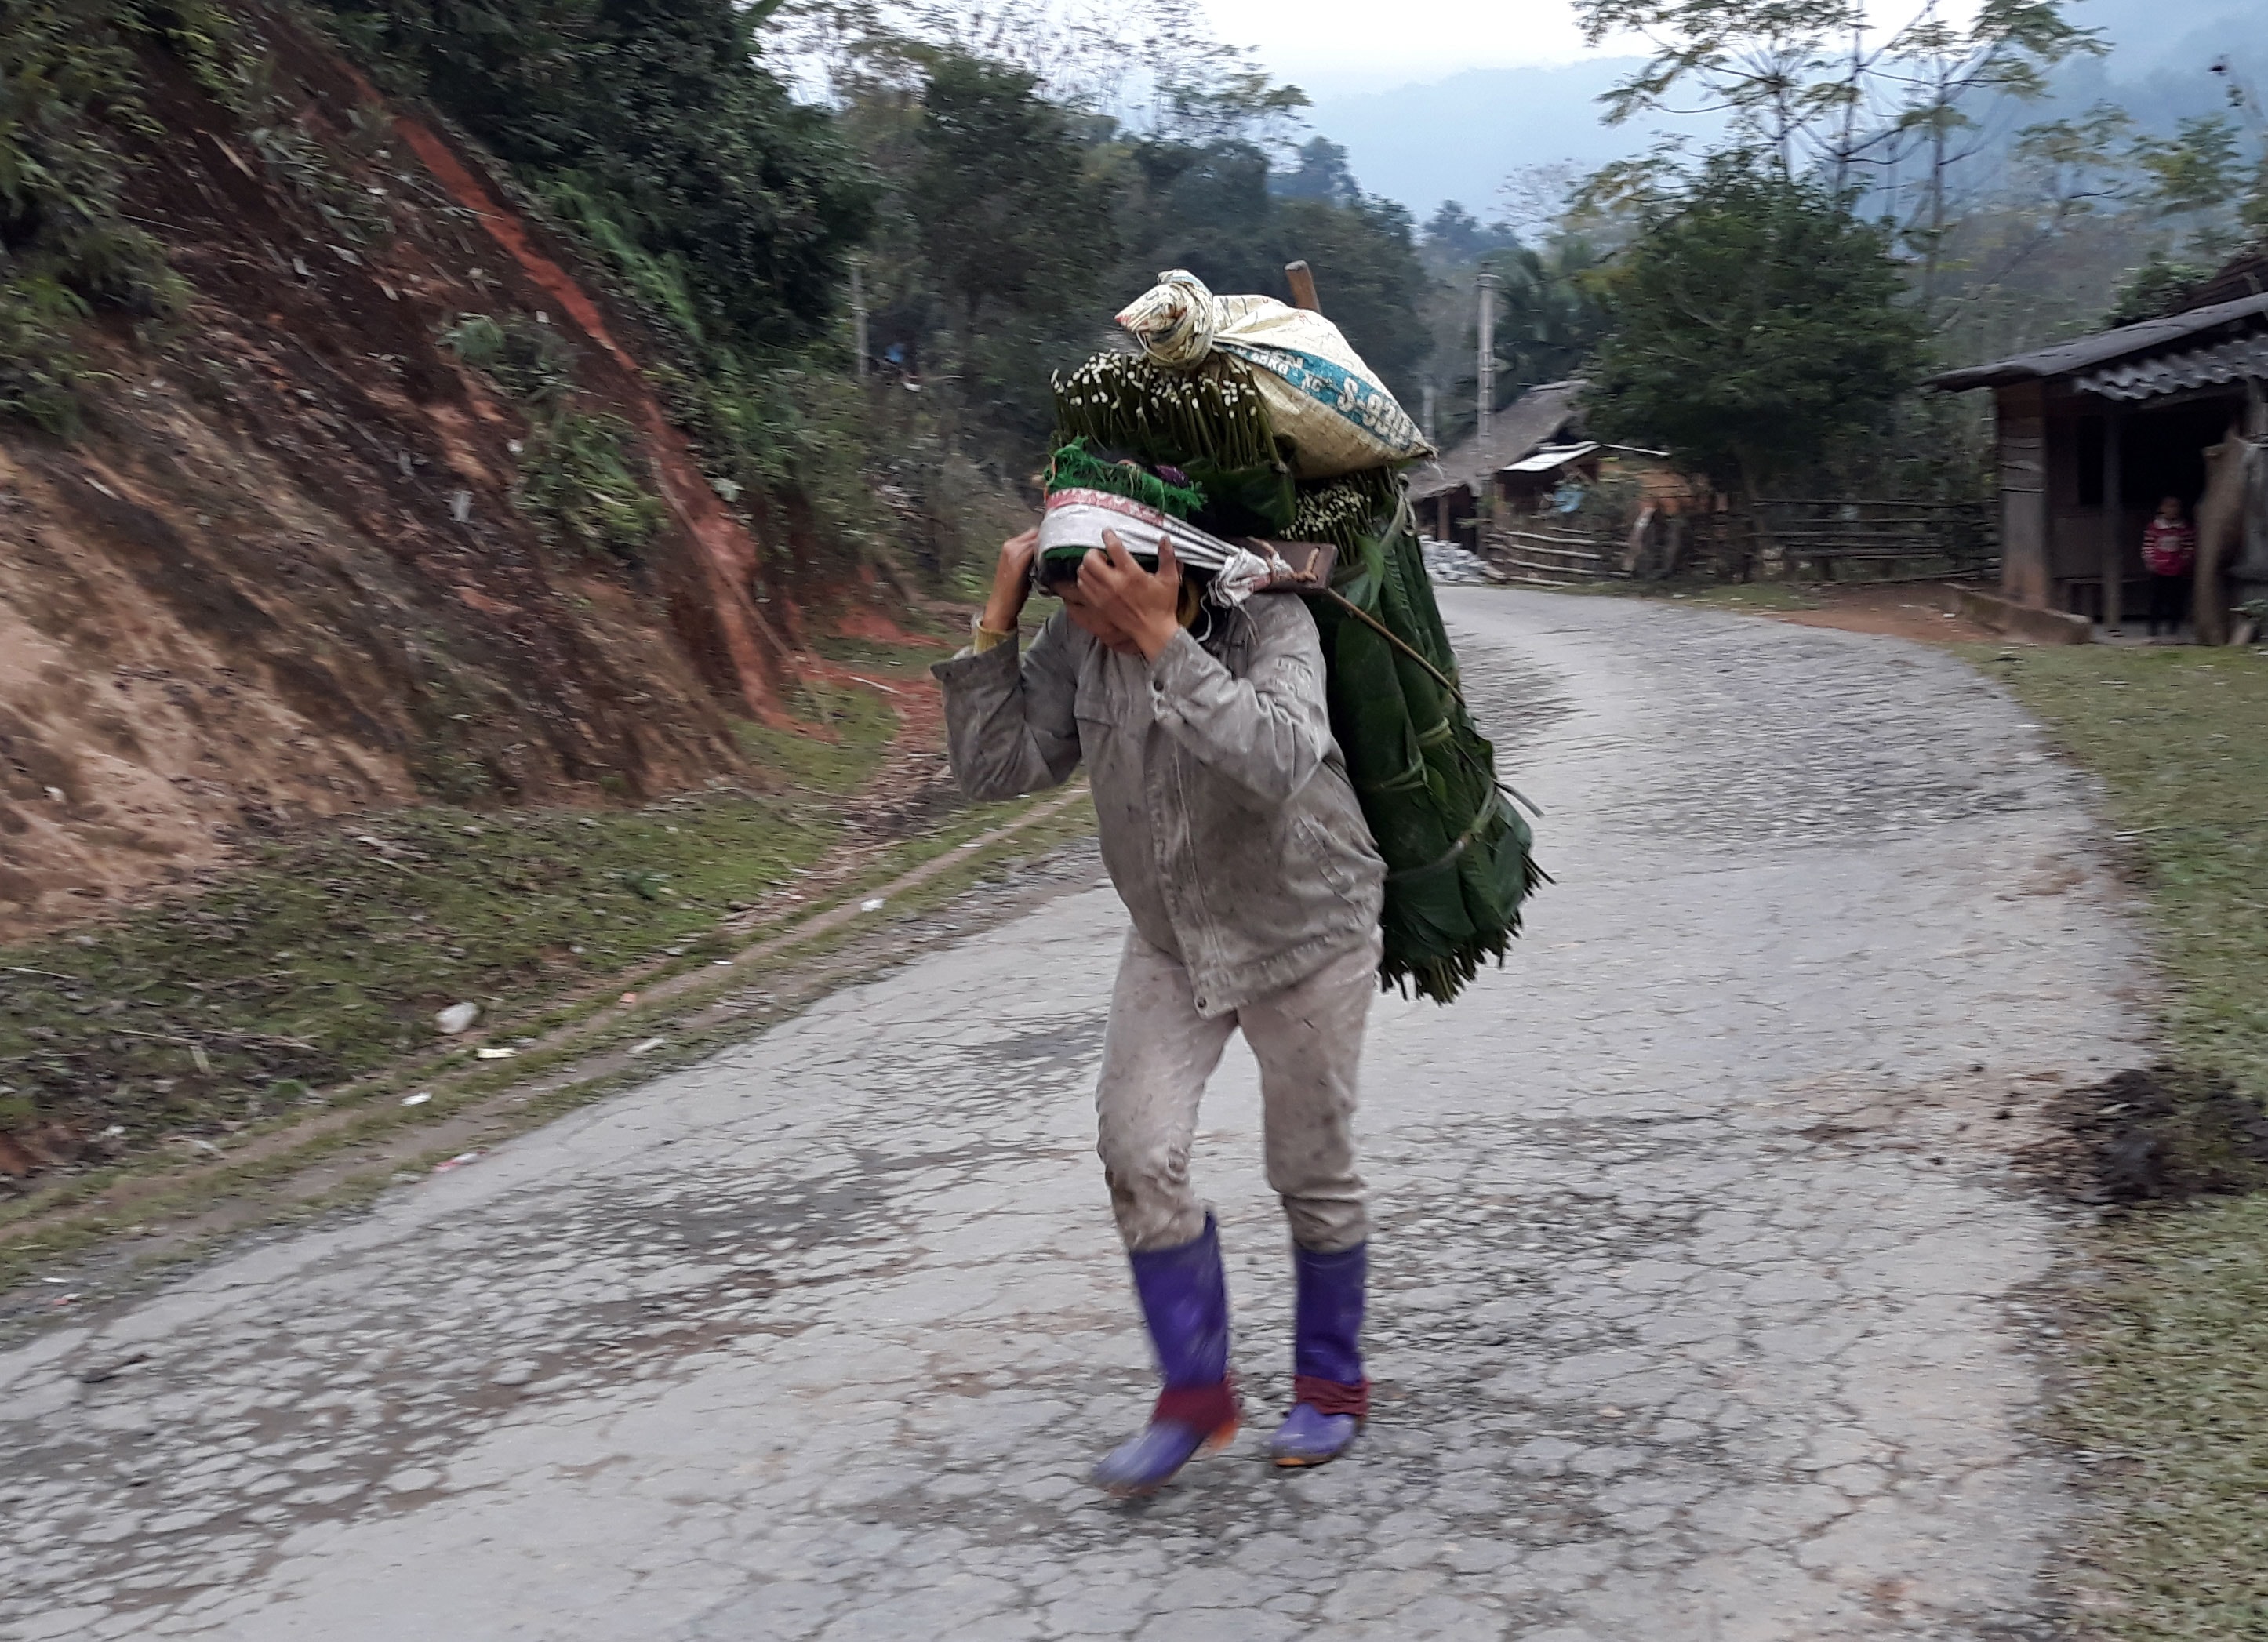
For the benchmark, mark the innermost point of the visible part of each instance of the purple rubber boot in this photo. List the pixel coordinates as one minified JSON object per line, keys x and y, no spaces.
{"x":1331,"y":1396}
{"x":1185,"y":1301}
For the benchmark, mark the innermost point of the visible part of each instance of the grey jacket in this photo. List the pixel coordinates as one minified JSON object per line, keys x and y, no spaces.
{"x":1228,"y":824}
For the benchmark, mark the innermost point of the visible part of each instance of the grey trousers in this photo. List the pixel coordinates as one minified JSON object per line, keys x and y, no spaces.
{"x":1156,"y":1058}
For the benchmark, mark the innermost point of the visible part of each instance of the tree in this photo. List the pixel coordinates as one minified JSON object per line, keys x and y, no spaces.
{"x":1154,"y":67}
{"x":1552,"y":313}
{"x":1802,"y":85}
{"x":2206,"y":182}
{"x":1021,"y":204}
{"x":716,"y":165}
{"x":2158,"y":286}
{"x":2200,"y":167}
{"x":1320,"y":174}
{"x":1453,"y":234}
{"x":1216,"y":210}
{"x":1939,"y":75}
{"x":1757,"y":323}
{"x":656,"y":115}
{"x":1007,"y":212}
{"x":1364,"y":258}
{"x":1539,"y":201}
{"x":511,"y":70}
{"x":1202,"y":207}
{"x":1016,"y":224}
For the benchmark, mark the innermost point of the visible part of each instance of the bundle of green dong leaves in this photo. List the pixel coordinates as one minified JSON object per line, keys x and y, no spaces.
{"x":1457,"y":851}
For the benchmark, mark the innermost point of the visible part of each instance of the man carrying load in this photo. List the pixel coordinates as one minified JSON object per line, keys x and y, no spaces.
{"x":1202,"y":709}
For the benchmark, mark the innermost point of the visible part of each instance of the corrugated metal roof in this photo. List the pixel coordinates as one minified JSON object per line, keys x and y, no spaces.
{"x":2176,"y":372}
{"x":1549,"y":457}
{"x":2087,"y":352}
{"x":1514,"y":431}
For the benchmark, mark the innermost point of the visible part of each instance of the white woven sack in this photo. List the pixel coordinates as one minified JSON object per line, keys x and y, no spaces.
{"x":1320,"y":394}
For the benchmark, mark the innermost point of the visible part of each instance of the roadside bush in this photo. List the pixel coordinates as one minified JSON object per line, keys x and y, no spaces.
{"x":577,"y":478}
{"x":69,"y":92}
{"x":525,"y":359}
{"x":577,"y":483}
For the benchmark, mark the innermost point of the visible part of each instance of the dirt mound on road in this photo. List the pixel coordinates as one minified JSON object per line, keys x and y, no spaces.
{"x":2165,"y":1135}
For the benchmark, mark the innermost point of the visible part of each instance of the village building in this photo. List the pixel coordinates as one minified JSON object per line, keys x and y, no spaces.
{"x":2094,"y":433}
{"x":1446,"y":491}
{"x":1541,"y":505}
{"x":1549,"y":476}
{"x":1536,"y":462}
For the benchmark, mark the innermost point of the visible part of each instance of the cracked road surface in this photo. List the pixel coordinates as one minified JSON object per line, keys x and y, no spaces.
{"x":1703,"y":1275}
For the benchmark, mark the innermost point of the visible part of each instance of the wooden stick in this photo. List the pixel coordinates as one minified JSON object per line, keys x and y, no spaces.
{"x":1303,"y":286}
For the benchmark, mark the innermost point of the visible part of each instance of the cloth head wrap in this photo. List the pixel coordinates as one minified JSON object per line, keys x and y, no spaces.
{"x":1075,"y":519}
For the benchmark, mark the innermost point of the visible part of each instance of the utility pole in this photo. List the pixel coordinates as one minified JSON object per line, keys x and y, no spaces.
{"x":1429,"y":414}
{"x":1485,"y":284}
{"x":859,"y":314}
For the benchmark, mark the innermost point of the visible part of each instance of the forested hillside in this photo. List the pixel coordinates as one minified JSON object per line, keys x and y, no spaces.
{"x":495,"y":400}
{"x":453,"y":400}
{"x":329,"y":485}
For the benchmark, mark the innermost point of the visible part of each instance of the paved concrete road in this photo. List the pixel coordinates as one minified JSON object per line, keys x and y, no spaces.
{"x":1702,"y":1270}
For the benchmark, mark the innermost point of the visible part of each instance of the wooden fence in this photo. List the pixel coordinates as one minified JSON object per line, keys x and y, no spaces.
{"x":1829,"y":538}
{"x":1840,"y":539}
{"x":1552,"y":555}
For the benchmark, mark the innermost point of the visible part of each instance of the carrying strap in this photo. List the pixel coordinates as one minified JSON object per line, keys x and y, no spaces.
{"x":1393,"y":638}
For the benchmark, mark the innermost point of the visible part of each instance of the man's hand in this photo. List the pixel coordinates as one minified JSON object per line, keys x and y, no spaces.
{"x":1145,"y":608}
{"x":1011,"y":582}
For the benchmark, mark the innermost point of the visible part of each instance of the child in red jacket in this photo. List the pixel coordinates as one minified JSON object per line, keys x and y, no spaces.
{"x":2169,"y":554}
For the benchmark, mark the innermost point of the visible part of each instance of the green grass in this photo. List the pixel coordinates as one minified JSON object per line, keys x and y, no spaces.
{"x":857,"y":725}
{"x":326,"y":956}
{"x":2173,"y":1392}
{"x":2180,"y":738}
{"x":910,"y":660}
{"x":2175,"y":1404}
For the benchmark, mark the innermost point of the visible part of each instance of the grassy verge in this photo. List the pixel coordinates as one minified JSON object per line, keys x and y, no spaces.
{"x":858,"y":724}
{"x":897,"y":660}
{"x":2180,"y":738}
{"x":1773,"y":595}
{"x":302,"y":1163}
{"x":2171,"y":1398}
{"x":326,"y":955}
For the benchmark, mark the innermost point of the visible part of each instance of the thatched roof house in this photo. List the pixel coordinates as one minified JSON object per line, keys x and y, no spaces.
{"x":1445,"y":491}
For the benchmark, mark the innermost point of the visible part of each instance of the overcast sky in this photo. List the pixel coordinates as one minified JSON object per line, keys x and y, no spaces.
{"x":1350,"y":43}
{"x":1365,"y":45}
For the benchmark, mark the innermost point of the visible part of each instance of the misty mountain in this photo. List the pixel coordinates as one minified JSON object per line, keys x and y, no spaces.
{"x":2148,"y":36}
{"x":2160,"y":67}
{"x":1460,"y":137}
